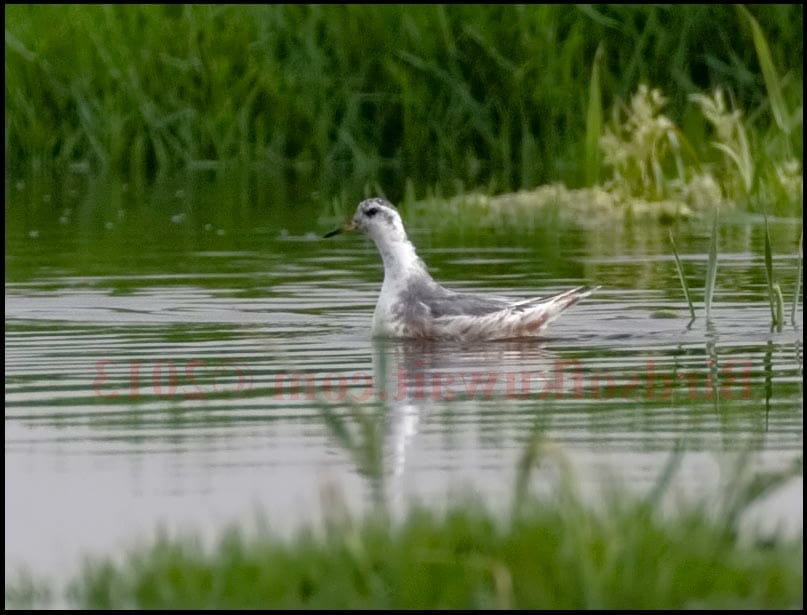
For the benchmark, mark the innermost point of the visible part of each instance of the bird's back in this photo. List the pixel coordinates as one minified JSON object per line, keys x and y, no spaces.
{"x":424,"y":309}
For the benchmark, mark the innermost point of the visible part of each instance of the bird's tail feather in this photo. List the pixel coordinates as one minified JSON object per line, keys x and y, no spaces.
{"x":574,"y":295}
{"x":545,"y":310}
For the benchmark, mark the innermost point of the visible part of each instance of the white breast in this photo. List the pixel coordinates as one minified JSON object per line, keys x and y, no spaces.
{"x":384,"y":321}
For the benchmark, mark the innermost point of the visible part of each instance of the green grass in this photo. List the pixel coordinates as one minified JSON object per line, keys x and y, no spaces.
{"x":594,"y":122}
{"x":711,"y":271}
{"x":786,"y":119}
{"x":680,"y":269}
{"x":775,"y":298}
{"x":556,"y":553}
{"x":552,"y":552}
{"x":797,"y":290}
{"x":454,"y":97}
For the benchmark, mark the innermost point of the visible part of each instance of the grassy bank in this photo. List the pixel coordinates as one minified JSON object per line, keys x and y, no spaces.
{"x":556,"y":552}
{"x":496,"y":98}
{"x":555,"y":556}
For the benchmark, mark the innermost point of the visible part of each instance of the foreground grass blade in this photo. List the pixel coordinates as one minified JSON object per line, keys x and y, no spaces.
{"x":798,"y":281}
{"x":711,"y":271}
{"x":681,"y":277}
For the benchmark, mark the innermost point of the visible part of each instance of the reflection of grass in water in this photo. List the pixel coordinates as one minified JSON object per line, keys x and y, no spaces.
{"x":552,"y":553}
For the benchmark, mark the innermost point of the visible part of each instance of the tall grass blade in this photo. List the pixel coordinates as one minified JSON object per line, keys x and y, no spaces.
{"x":745,"y":164}
{"x":798,"y":281}
{"x":744,"y":488}
{"x":779,"y":300}
{"x":711,"y":271}
{"x":526,"y":462}
{"x":681,"y":277}
{"x":365,"y":450}
{"x":668,"y":473}
{"x":531,"y":456}
{"x":769,"y":273}
{"x":338,"y":428}
{"x":769,"y":74}
{"x":594,"y":122}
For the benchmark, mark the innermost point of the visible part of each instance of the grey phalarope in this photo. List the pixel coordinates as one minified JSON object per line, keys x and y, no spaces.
{"x":413,"y":305}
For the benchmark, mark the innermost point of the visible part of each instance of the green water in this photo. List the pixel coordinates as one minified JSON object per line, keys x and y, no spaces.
{"x":171,"y":365}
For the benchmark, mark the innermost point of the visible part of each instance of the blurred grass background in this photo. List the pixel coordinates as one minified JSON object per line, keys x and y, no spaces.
{"x":450,"y":98}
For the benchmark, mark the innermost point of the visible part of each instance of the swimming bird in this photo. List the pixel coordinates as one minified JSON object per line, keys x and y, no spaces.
{"x":413,"y":305}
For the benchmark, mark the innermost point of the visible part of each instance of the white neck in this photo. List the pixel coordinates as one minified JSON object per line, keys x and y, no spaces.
{"x":399,"y":256}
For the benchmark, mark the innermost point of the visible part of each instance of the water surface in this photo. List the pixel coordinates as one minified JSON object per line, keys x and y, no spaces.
{"x":170,"y":366}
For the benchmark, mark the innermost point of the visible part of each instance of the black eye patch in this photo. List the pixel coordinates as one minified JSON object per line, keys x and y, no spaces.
{"x":371,"y":212}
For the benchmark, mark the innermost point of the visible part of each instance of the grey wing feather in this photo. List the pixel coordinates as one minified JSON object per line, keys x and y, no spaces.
{"x":427,"y":298}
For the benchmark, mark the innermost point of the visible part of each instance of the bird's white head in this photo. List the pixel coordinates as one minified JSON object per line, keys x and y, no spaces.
{"x":379,"y":219}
